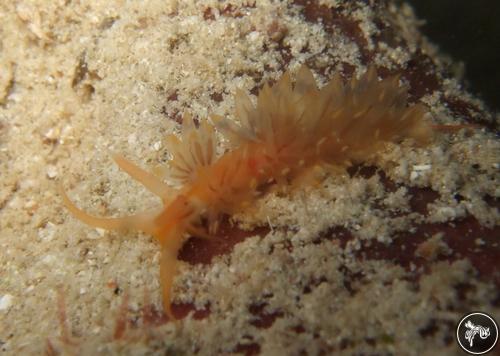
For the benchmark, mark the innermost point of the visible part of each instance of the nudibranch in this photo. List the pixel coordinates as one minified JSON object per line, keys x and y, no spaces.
{"x":292,"y":128}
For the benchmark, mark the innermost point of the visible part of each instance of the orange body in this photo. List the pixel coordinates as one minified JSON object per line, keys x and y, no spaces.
{"x":292,"y":128}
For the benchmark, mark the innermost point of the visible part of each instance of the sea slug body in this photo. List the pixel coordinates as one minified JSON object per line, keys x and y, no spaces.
{"x":293,"y":128}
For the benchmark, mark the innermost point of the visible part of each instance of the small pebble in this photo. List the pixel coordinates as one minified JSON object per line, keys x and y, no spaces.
{"x":51,"y":171}
{"x":6,"y":301}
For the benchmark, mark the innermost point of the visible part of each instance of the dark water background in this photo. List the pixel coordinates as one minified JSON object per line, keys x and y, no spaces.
{"x":468,"y":31}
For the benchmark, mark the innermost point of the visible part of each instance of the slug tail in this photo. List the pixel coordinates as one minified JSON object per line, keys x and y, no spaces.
{"x":142,"y":221}
{"x":454,"y":128}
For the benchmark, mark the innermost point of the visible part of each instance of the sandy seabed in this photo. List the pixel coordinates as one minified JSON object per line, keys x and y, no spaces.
{"x":384,"y":258}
